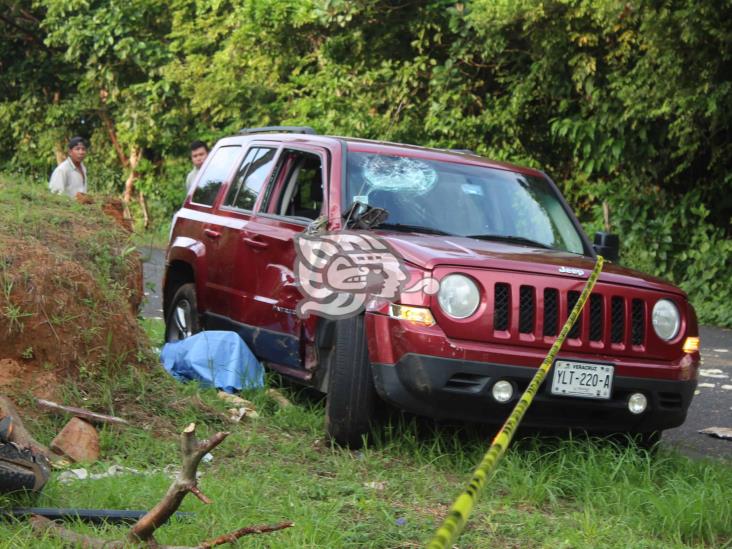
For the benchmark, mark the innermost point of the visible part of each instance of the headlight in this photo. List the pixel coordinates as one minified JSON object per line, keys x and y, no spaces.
{"x":666,"y":319}
{"x":458,"y":296}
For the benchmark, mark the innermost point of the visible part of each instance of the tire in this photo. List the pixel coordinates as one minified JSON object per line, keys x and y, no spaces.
{"x":351,"y":399}
{"x":183,"y":319}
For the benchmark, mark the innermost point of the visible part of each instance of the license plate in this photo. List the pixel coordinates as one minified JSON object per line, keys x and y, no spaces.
{"x":582,"y":379}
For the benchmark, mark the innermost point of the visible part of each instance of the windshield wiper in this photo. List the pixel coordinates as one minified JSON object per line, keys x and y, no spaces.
{"x":412,"y":228}
{"x":511,"y":239}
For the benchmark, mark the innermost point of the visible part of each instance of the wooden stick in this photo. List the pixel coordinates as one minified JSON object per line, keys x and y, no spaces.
{"x":233,"y":536}
{"x":42,"y":525}
{"x":80,"y":412}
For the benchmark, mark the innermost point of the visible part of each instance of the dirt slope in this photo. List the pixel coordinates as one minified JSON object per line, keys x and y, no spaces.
{"x":70,"y":286}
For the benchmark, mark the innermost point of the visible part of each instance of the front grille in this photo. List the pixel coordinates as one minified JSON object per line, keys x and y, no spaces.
{"x":638,"y":324}
{"x":469,"y":383}
{"x":596,"y":317}
{"x":502,"y":299}
{"x":618,"y":320}
{"x":572,"y":299}
{"x":598,"y":328}
{"x":526,"y":310}
{"x":551,"y":311}
{"x":670,"y":400}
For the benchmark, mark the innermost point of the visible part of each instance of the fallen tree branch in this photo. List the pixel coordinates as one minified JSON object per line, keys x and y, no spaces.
{"x":185,"y":482}
{"x":193,"y":450}
{"x":233,"y":536}
{"x":43,"y":525}
{"x":92,"y":417}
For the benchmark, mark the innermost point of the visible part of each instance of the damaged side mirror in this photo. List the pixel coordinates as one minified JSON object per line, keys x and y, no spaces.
{"x":607,"y":245}
{"x":363,"y":216}
{"x":317,"y":226}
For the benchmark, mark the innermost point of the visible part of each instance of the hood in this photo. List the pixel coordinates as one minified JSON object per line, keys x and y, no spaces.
{"x":429,"y":251}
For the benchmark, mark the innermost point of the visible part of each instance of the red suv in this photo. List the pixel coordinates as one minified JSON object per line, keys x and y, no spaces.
{"x":501,"y":250}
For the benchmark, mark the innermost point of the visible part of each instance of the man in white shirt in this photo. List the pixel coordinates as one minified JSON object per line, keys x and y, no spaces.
{"x":69,"y":177}
{"x":199,"y":152}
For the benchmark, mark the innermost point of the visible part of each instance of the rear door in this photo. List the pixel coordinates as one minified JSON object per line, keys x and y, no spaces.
{"x":216,"y":174}
{"x":235,"y":212}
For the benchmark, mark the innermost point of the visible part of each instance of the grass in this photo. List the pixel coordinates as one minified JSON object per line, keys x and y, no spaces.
{"x":571,"y":493}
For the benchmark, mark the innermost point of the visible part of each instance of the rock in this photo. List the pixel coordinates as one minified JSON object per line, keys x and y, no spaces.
{"x":718,"y":432}
{"x":78,"y":440}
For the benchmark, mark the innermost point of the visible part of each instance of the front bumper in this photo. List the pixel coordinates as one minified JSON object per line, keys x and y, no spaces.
{"x":445,"y":388}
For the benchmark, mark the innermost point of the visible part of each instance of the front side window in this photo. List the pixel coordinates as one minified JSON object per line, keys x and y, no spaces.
{"x":250,"y":178}
{"x":462,"y":200}
{"x":214,"y":175}
{"x":302,"y":193}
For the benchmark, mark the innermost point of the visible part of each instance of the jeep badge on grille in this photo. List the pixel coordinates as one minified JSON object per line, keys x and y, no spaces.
{"x":571,"y":270}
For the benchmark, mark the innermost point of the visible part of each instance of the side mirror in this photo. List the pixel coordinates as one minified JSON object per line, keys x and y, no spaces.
{"x":607,"y":245}
{"x":317,"y":226}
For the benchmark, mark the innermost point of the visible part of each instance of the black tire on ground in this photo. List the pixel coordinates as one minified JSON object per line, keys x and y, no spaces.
{"x":351,"y":400}
{"x":183,"y":319}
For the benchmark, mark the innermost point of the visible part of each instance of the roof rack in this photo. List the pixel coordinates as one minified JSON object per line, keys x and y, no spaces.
{"x":285,"y":129}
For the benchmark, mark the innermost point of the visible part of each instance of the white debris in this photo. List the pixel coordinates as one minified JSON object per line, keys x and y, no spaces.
{"x":727,"y":387}
{"x":279,"y":398}
{"x":237,"y":414}
{"x":375,"y":485}
{"x":710,"y":385}
{"x":207,"y":458}
{"x":697,"y":392}
{"x":721,"y":350}
{"x":719,"y":432}
{"x":82,"y":474}
{"x":234,"y":399}
{"x":713,"y":372}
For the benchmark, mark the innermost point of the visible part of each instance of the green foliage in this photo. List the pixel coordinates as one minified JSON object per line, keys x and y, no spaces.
{"x":672,"y":237}
{"x":625,"y":102}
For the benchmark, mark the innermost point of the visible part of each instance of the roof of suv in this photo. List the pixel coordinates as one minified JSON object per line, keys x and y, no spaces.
{"x":384,"y":147}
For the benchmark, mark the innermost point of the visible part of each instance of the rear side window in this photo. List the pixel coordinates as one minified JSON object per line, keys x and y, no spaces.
{"x":214,"y":175}
{"x":250,"y":178}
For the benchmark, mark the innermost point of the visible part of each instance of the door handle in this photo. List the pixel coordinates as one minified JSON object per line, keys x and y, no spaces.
{"x":254,"y":243}
{"x":211,"y":233}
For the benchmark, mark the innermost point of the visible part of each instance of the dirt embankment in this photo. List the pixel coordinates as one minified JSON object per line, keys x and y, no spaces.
{"x":70,"y":288}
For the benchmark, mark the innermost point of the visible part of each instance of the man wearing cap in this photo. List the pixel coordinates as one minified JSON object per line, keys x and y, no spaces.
{"x":69,"y":177}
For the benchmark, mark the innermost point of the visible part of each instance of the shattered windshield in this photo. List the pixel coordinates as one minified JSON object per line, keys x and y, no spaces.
{"x":463,"y":200}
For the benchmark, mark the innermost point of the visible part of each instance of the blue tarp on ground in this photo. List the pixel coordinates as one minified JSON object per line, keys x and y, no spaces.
{"x":217,"y":359}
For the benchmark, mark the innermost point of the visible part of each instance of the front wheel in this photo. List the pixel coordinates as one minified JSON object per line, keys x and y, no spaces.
{"x":183,"y":320}
{"x":351,"y":401}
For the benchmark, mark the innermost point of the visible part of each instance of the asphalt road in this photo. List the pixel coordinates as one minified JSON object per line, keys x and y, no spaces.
{"x":711,"y":407}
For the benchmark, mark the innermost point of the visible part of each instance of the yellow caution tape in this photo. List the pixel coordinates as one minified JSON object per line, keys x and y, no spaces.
{"x":461,"y":509}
